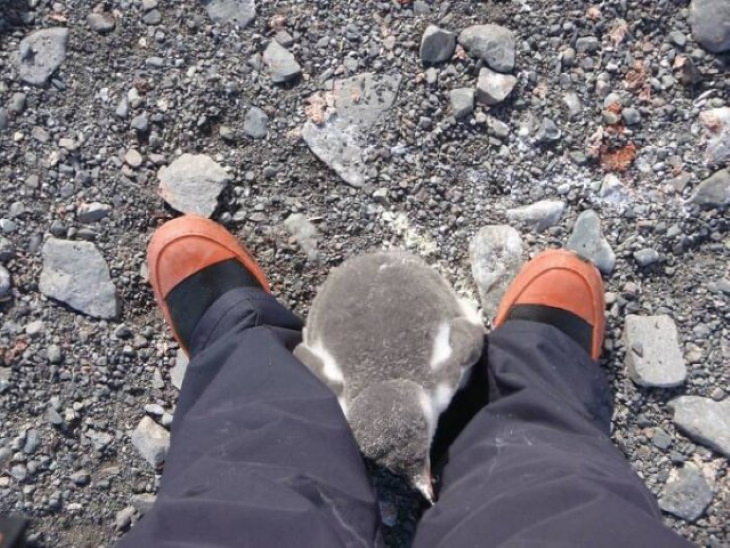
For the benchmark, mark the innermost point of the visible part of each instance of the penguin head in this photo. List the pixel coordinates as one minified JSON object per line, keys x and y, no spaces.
{"x":393,"y":426}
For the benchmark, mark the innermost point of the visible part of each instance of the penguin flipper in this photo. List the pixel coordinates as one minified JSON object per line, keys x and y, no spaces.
{"x":321,"y":366}
{"x":467,"y":342}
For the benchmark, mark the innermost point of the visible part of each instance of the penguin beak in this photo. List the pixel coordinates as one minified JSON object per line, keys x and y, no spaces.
{"x":424,"y":483}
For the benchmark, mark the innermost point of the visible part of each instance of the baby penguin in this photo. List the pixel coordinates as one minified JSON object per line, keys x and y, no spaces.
{"x":388,"y":334}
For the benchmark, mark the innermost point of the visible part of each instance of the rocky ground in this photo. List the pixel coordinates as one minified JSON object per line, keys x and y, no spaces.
{"x":317,"y":130}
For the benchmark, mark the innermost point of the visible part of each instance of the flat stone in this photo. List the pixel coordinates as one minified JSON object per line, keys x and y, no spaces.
{"x":151,"y":440}
{"x":710,"y":22}
{"x":540,"y":215}
{"x":339,"y":139}
{"x":133,"y":158}
{"x":492,"y":43}
{"x":75,"y":273}
{"x":282,"y":65}
{"x":437,"y":45}
{"x":646,"y":257}
{"x":462,"y":101}
{"x":255,"y":123}
{"x":495,"y":253}
{"x":713,"y":191}
{"x":101,"y":22}
{"x":192,"y":184}
{"x":92,"y":212}
{"x":40,"y":54}
{"x":717,"y":126}
{"x":653,"y":355}
{"x":588,"y":241}
{"x":686,"y":493}
{"x":493,"y":87}
{"x":235,"y":12}
{"x":704,"y":420}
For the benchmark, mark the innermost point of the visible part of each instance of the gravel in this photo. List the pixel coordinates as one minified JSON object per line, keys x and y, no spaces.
{"x":364,"y":143}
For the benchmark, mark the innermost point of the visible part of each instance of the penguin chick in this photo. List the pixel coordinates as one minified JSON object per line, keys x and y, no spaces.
{"x":390,"y":337}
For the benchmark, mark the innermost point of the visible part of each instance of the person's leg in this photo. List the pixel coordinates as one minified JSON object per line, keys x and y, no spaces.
{"x":536,"y":466}
{"x":261,"y":454}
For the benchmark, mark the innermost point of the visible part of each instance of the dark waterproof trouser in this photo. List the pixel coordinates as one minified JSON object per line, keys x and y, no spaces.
{"x":261,"y":454}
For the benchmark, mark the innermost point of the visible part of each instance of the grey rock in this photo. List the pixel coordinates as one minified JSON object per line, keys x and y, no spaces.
{"x":5,"y":283}
{"x":7,"y":249}
{"x":133,"y":158}
{"x":704,"y":420}
{"x":587,"y":240}
{"x":437,"y":45}
{"x":177,"y":373}
{"x":92,"y":212}
{"x":686,"y":493}
{"x":340,"y":139}
{"x":661,"y":439}
{"x":492,"y":43}
{"x":140,"y":122}
{"x":653,"y":355}
{"x":677,"y":38}
{"x":587,"y":44}
{"x":572,"y":102}
{"x":123,"y":518}
{"x":493,"y":87}
{"x":236,"y":12}
{"x":548,"y":132}
{"x":4,"y":117}
{"x":631,"y":116}
{"x":143,"y":502}
{"x":304,"y":232}
{"x":646,"y":257}
{"x":710,"y":21}
{"x":495,"y":254}
{"x":101,"y":22}
{"x":497,"y":127}
{"x":122,"y":110}
{"x":32,"y":441}
{"x":80,"y":477}
{"x":462,"y":101}
{"x":255,"y":123}
{"x":19,"y":472}
{"x":540,"y":215}
{"x":76,"y":273}
{"x":151,"y":440}
{"x":40,"y":54}
{"x":192,"y":184}
{"x":54,"y":354}
{"x":16,"y":104}
{"x":152,"y":17}
{"x":713,"y":191}
{"x":282,"y":65}
{"x":717,"y":126}
{"x":284,"y":38}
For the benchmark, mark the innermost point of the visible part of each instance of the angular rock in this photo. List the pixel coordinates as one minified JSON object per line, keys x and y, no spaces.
{"x":236,"y":12}
{"x":282,"y":65}
{"x":255,"y":123}
{"x":646,"y":256}
{"x":151,"y":440}
{"x":192,"y":184}
{"x":495,"y":253}
{"x":40,"y":54}
{"x":75,"y":273}
{"x":437,"y":45}
{"x":686,"y":493}
{"x":540,"y":215}
{"x":7,"y":249}
{"x":492,"y":43}
{"x":653,"y":355}
{"x":710,"y":21}
{"x":704,"y":420}
{"x":340,"y":137}
{"x":547,"y":132}
{"x":462,"y":102}
{"x":717,"y":124}
{"x":123,"y":518}
{"x":587,"y":240}
{"x":177,"y":373}
{"x":101,"y":22}
{"x":713,"y":191}
{"x":493,"y":87}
